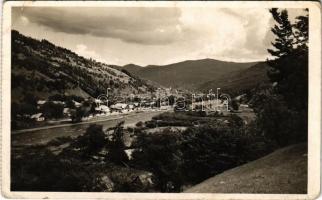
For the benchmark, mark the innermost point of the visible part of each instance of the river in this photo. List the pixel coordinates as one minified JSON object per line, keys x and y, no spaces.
{"x":45,"y":135}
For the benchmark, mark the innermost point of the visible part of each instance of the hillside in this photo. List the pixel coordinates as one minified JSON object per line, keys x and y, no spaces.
{"x":132,"y":68}
{"x":281,"y":172}
{"x":187,"y":74}
{"x":240,"y":80}
{"x":42,"y":69}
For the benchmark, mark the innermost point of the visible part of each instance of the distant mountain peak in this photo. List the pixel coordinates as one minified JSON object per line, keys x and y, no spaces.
{"x":188,"y":74}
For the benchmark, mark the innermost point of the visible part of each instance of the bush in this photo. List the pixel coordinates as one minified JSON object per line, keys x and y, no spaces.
{"x":139,"y":124}
{"x":235,"y":105}
{"x":277,"y":122}
{"x":92,"y":141}
{"x":52,"y":110}
{"x":198,"y":153}
{"x":57,"y":97}
{"x":199,"y":113}
{"x":151,"y":124}
{"x":46,"y":172}
{"x":160,"y":154}
{"x":116,"y":146}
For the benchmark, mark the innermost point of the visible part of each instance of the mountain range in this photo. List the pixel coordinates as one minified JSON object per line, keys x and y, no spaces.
{"x":204,"y":74}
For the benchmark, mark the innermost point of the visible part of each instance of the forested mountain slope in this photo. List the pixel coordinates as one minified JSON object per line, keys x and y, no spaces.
{"x":43,"y":69}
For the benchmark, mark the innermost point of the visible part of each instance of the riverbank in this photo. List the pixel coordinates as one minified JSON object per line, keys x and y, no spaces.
{"x":68,"y":123}
{"x":45,"y":134}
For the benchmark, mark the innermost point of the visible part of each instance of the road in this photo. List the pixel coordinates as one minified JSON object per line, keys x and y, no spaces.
{"x":44,"y":135}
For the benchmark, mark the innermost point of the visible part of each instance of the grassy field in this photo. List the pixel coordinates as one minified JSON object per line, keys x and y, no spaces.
{"x":283,"y":171}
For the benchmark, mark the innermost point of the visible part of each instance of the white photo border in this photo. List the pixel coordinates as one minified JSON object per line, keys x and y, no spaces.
{"x":314,"y":110}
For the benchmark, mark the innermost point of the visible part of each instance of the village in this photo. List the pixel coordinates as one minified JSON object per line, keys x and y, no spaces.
{"x":61,"y":109}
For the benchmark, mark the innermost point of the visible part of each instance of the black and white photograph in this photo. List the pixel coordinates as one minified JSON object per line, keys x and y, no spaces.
{"x":178,"y":98}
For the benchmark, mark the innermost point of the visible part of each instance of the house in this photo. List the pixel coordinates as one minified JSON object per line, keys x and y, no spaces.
{"x":66,"y":112}
{"x":59,"y":102}
{"x":119,"y":106}
{"x":41,"y":102}
{"x":98,"y":101}
{"x":129,"y":153}
{"x":77,"y":104}
{"x":243,"y":106}
{"x":103,"y":108}
{"x":38,"y":117}
{"x":131,"y":106}
{"x":240,"y":97}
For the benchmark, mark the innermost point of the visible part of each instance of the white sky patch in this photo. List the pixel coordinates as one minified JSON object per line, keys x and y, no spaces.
{"x":83,"y":50}
{"x":24,"y":20}
{"x":228,"y":35}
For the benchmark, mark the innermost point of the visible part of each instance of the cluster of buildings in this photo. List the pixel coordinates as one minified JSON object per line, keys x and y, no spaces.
{"x":98,"y":107}
{"x":160,"y":100}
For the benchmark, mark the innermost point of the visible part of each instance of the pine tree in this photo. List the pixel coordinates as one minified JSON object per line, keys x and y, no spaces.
{"x":282,"y":115}
{"x":302,"y":31}
{"x":289,"y":69}
{"x":284,"y":34}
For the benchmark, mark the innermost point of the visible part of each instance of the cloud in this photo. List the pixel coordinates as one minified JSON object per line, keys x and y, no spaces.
{"x":147,"y":35}
{"x":230,"y":34}
{"x":83,"y":50}
{"x":134,"y":25}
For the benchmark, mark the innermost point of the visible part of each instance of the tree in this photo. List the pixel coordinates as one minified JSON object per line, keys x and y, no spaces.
{"x":302,"y":29}
{"x":116,"y":147}
{"x":93,"y":140}
{"x":172,"y":100}
{"x":235,"y":105}
{"x":52,"y":110}
{"x":289,"y":69}
{"x":284,"y":34}
{"x":78,"y":114}
{"x":30,"y":99}
{"x":160,"y":153}
{"x":282,"y":110}
{"x":70,"y":104}
{"x":26,"y":108}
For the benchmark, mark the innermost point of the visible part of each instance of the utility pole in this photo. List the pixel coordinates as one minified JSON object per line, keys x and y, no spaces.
{"x":107,"y":89}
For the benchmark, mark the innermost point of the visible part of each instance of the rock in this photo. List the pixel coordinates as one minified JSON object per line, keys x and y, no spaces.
{"x":144,"y":180}
{"x":107,"y":183}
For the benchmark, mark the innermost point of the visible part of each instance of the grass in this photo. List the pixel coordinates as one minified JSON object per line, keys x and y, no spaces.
{"x":281,"y":172}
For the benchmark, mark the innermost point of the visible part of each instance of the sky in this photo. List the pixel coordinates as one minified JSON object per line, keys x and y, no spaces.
{"x":152,"y":35}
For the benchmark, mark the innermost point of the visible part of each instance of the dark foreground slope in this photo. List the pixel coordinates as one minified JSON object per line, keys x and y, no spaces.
{"x":283,"y":171}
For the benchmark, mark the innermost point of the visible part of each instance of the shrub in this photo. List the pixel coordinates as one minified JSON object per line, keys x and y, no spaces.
{"x":92,"y":141}
{"x":277,"y":122}
{"x":198,"y":153}
{"x":46,"y":172}
{"x":139,"y":124}
{"x":160,"y":154}
{"x":52,"y":110}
